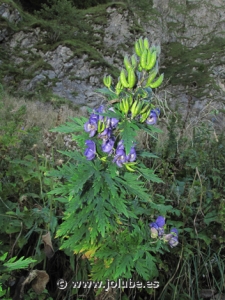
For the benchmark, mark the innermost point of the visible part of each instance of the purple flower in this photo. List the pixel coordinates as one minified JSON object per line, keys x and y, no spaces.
{"x":107,"y":145}
{"x":154,"y":225}
{"x":91,"y":150}
{"x":173,"y":241}
{"x":158,"y":225}
{"x":113,"y":122}
{"x":105,"y":134}
{"x":99,"y":111}
{"x":153,"y":117}
{"x":120,"y":158}
{"x":160,"y":231}
{"x":92,"y":125}
{"x":160,"y":221}
{"x":120,"y":145}
{"x":174,"y":231}
{"x":132,"y":155}
{"x":93,"y":118}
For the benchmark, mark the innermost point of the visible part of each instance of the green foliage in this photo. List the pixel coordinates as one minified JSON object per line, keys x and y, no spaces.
{"x":10,"y":125}
{"x":9,"y":265}
{"x":15,"y":264}
{"x":107,"y":208}
{"x":100,"y":212}
{"x":88,"y":3}
{"x":31,"y":5}
{"x":62,"y":11}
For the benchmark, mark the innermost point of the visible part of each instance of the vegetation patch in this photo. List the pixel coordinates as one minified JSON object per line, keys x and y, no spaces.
{"x":183,"y":65}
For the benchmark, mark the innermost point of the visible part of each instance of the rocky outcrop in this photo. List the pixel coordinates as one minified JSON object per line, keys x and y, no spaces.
{"x":9,"y":13}
{"x":191,"y":34}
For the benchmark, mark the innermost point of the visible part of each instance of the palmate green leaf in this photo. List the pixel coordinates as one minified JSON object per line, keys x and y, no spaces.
{"x":3,"y":257}
{"x":75,"y":240}
{"x":125,"y":253}
{"x":147,"y":154}
{"x":110,"y":183}
{"x":92,"y":212}
{"x":142,"y":268}
{"x":128,"y":134}
{"x":134,"y":186}
{"x":152,"y":268}
{"x":109,"y":189}
{"x":75,"y":218}
{"x":59,"y":191}
{"x":162,"y":208}
{"x":78,"y":180}
{"x":119,"y":207}
{"x":77,"y":156}
{"x":112,"y":170}
{"x":102,"y":215}
{"x":97,"y":186}
{"x":67,"y":171}
{"x":122,"y":266}
{"x":21,"y":263}
{"x":139,"y":254}
{"x":77,"y":125}
{"x":75,"y":180}
{"x":149,"y":175}
{"x":98,"y":181}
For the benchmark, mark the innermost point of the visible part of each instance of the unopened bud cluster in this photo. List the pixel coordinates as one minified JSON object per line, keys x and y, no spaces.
{"x":136,"y":81}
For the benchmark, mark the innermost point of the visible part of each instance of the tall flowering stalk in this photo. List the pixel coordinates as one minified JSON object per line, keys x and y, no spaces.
{"x":107,"y":204}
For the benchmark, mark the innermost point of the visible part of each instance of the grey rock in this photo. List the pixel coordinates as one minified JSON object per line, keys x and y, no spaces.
{"x":49,"y":73}
{"x":12,"y":16}
{"x":4,"y":34}
{"x":192,"y":23}
{"x":33,"y":83}
{"x":23,"y":40}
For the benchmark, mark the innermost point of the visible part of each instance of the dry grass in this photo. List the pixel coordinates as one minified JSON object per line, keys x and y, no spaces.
{"x":42,"y":115}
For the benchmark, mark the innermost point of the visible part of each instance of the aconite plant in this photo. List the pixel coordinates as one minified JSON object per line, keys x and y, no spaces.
{"x":108,"y":208}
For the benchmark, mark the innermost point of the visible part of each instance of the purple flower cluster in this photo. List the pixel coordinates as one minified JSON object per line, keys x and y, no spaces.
{"x":121,"y":157}
{"x":157,"y":230}
{"x":172,"y":237}
{"x":104,"y":126}
{"x":153,"y":116}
